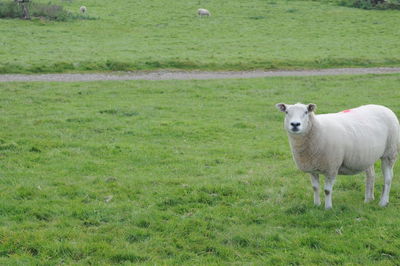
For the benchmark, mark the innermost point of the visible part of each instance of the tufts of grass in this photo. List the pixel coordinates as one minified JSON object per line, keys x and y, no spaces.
{"x":181,"y":172}
{"x":371,"y":4}
{"x":48,"y":11}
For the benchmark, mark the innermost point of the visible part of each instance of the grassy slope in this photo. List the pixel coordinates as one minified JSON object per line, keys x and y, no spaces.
{"x":131,"y":35}
{"x":200,"y":173}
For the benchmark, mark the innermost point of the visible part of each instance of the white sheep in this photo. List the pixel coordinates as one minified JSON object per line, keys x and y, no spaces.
{"x":83,"y":9}
{"x":343,"y":143}
{"x":203,"y":12}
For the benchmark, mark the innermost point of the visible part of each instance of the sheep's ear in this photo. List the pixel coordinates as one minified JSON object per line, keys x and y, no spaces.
{"x":281,"y":107}
{"x":311,"y":107}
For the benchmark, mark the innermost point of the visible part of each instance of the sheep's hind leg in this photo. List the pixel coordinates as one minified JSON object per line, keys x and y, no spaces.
{"x":315,"y":185}
{"x":329,"y":181}
{"x":369,"y":184}
{"x":387,"y":170}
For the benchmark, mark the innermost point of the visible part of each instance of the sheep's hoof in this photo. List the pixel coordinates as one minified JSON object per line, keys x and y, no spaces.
{"x":383,"y":203}
{"x":368,"y":200}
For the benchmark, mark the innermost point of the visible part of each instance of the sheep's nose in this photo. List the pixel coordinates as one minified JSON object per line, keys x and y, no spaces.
{"x":295,"y":124}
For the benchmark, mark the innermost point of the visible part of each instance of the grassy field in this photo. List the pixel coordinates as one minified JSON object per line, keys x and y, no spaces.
{"x":241,"y":34}
{"x":181,"y":172}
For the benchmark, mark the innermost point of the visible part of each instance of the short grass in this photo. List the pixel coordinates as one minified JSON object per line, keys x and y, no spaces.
{"x":181,"y":172}
{"x":240,"y":34}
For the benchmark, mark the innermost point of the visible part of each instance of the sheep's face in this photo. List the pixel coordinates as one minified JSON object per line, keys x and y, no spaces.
{"x":297,"y":117}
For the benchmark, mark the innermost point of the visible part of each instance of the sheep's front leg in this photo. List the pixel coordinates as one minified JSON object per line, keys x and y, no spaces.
{"x":387,"y":169}
{"x":369,"y":184}
{"x":329,"y":181}
{"x":315,"y":185}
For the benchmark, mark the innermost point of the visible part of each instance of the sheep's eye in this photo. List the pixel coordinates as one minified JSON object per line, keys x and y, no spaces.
{"x":286,"y":112}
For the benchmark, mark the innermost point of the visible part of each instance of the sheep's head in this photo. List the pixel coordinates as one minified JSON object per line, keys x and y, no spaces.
{"x":297,"y":117}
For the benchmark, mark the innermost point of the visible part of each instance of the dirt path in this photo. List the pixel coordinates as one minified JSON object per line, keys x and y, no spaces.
{"x":188,"y":75}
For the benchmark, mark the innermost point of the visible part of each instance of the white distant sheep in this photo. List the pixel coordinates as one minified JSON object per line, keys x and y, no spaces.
{"x":83,"y":9}
{"x":343,"y":143}
{"x":203,"y":12}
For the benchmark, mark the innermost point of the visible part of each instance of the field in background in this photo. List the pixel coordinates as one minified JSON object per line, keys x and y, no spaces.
{"x":193,"y":172}
{"x":242,"y":34}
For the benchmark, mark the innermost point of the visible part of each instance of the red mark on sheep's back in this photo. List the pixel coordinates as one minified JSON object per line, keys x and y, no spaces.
{"x":346,"y":111}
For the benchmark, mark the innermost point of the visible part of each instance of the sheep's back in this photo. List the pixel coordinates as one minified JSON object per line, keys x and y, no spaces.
{"x":362,"y":135}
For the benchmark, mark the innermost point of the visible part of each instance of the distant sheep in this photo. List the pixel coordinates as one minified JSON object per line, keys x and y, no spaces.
{"x":343,"y":143}
{"x":203,"y":12}
{"x":83,"y":9}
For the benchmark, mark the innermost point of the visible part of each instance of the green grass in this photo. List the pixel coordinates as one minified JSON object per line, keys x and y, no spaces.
{"x":259,"y":34}
{"x":181,"y":172}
